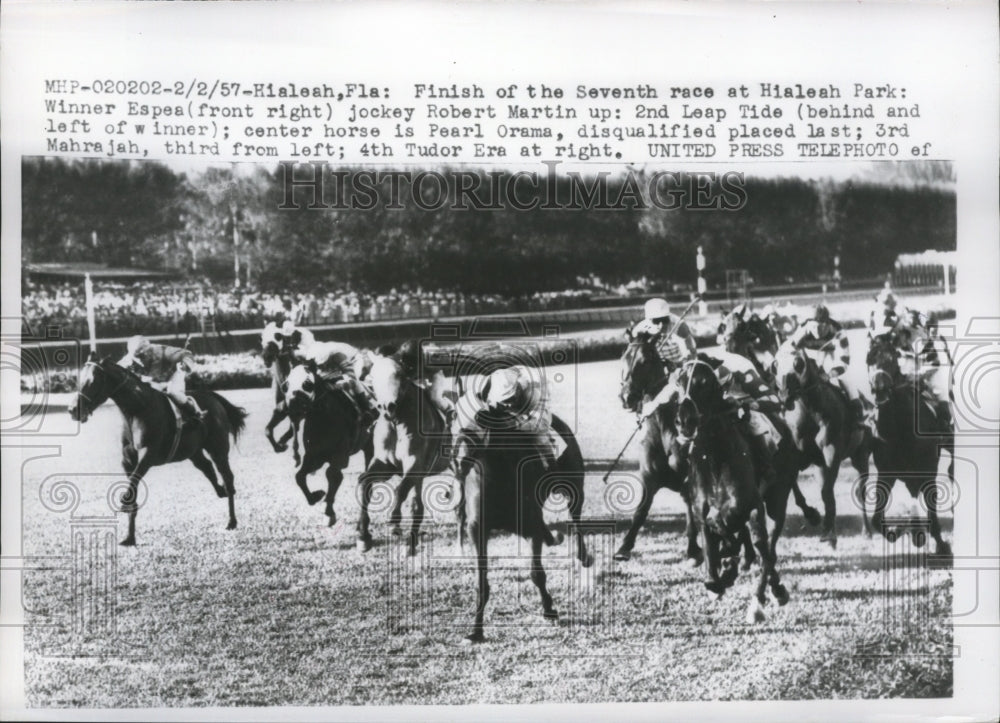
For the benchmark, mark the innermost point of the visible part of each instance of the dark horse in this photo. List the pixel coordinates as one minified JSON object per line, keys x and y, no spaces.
{"x":331,"y":432}
{"x":278,"y":358}
{"x":819,"y":417}
{"x":149,"y":434}
{"x":752,"y":338}
{"x":502,"y":491}
{"x":728,"y":501}
{"x":913,"y":428}
{"x":644,"y":376}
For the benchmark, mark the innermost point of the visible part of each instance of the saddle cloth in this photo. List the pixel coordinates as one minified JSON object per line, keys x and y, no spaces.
{"x":762,"y":426}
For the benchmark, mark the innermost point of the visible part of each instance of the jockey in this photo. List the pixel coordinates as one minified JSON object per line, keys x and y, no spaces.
{"x":165,"y":368}
{"x":337,"y":363}
{"x":823,"y":335}
{"x":674,"y":340}
{"x":519,"y":393}
{"x":294,"y":338}
{"x":434,"y":380}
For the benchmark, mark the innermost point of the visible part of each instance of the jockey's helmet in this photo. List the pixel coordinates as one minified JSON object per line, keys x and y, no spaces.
{"x":287,"y":328}
{"x":886,"y":298}
{"x":504,"y":387}
{"x":136,"y":344}
{"x":822,"y":313}
{"x":656,"y":309}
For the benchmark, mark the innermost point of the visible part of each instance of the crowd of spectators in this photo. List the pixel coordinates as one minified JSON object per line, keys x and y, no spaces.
{"x":184,"y":307}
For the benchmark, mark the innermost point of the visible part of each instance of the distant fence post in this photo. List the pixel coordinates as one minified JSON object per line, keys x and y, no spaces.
{"x":702,"y":286}
{"x":88,"y":290}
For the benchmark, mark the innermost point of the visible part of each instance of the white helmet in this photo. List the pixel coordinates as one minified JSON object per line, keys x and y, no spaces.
{"x":656,"y":309}
{"x":503,"y":385}
{"x":137,"y":343}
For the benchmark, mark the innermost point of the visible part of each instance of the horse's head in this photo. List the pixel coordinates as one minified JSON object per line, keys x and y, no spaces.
{"x":700,"y":393}
{"x":793,"y":371}
{"x":388,"y":382}
{"x":642,"y":370}
{"x":98,"y":380}
{"x":270,"y":343}
{"x":300,"y":391}
{"x":883,"y":368}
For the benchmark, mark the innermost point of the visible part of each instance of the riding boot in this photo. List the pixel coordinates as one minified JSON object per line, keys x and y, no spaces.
{"x":191,"y":412}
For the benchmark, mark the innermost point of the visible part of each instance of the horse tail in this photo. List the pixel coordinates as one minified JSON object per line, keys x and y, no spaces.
{"x":237,"y":416}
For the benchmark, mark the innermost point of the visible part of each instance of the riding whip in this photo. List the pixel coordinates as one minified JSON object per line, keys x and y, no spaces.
{"x":614,"y":464}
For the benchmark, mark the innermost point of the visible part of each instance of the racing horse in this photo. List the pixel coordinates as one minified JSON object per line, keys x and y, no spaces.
{"x":753,"y":338}
{"x":500,"y":486}
{"x":727,"y":501}
{"x":644,"y":378}
{"x":913,"y":427}
{"x":818,"y":415}
{"x":278,"y":358}
{"x":150,"y":436}
{"x":332,"y":432}
{"x":410,"y":439}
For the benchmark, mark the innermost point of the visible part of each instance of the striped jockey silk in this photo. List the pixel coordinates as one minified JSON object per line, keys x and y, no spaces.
{"x":668,"y":346}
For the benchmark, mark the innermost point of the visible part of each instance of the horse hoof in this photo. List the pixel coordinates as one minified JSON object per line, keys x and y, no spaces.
{"x":587,"y":560}
{"x":831,"y":539}
{"x":331,"y":520}
{"x":919,"y":538}
{"x":363,"y":545}
{"x":473,"y":638}
{"x":128,"y":542}
{"x":623,"y":555}
{"x":813,"y":517}
{"x":755,"y":613}
{"x":694,"y":561}
{"x":231,"y":525}
{"x":781,"y":595}
{"x":280,"y":447}
{"x":714,"y":596}
{"x":558,"y":537}
{"x":551,"y":615}
{"x":314,"y":497}
{"x":891,"y":536}
{"x":297,"y":460}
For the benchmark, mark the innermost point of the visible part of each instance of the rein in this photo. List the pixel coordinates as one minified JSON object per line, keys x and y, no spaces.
{"x":114,"y":391}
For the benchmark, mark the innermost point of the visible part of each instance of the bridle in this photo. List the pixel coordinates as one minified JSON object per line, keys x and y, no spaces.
{"x":651,"y":388}
{"x":112,"y":393}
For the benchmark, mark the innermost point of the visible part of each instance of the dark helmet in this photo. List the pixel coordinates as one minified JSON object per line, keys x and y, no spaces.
{"x":822,"y":313}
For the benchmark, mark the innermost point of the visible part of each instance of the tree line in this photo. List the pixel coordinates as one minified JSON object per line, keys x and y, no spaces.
{"x":227,"y":225}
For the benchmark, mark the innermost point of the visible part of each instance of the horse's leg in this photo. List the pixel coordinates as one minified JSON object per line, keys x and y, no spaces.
{"x":378,"y":471}
{"x":293,"y":430}
{"x":748,"y":554}
{"x":713,"y":583}
{"x":882,"y":488}
{"x":758,"y":531}
{"x":315,"y":458}
{"x":860,"y":461}
{"x":480,"y":542}
{"x":830,"y":470}
{"x":334,"y":476}
{"x":649,"y":490}
{"x":777,"y":510}
{"x":539,"y":578}
{"x":695,"y":556}
{"x":930,"y":501}
{"x":808,"y":511}
{"x":576,"y":512}
{"x":417,"y":513}
{"x":221,"y":459}
{"x":276,"y":416}
{"x":204,"y":465}
{"x":396,"y":515}
{"x":130,"y":500}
